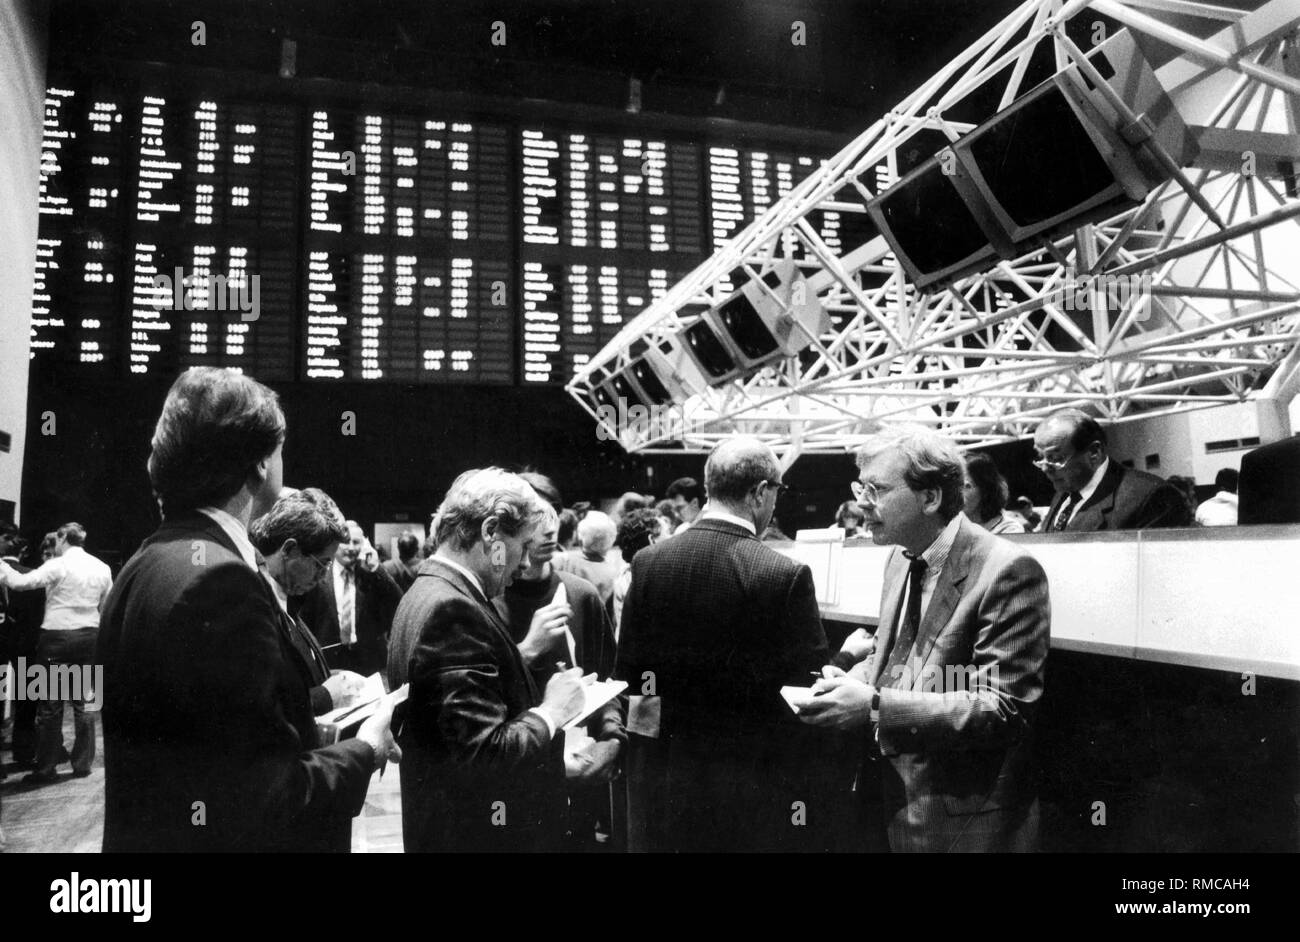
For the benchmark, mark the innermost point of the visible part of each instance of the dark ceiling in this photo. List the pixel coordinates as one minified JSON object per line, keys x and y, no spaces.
{"x":861,"y":56}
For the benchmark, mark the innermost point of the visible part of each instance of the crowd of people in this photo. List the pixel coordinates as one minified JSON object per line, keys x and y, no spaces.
{"x":256,"y":608}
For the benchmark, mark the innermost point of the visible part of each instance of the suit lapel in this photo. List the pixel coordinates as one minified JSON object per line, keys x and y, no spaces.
{"x":947,"y":593}
{"x":1102,"y":501}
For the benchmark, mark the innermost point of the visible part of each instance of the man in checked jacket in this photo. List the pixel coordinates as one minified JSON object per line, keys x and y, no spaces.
{"x":947,"y":702}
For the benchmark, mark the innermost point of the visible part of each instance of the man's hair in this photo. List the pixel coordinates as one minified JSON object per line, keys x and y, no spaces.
{"x":215,"y":427}
{"x":1226,"y":480}
{"x":596,"y":533}
{"x":481,"y":493}
{"x":735,"y":466}
{"x":1084,"y":429}
{"x":408,"y":545}
{"x":666,"y":509}
{"x":325,"y":503}
{"x":990,"y":483}
{"x":635,"y":531}
{"x":311,"y":523}
{"x":932,"y":462}
{"x":74,"y":533}
{"x":568,"y":527}
{"x":629,"y":502}
{"x":548,"y":519}
{"x":48,"y":541}
{"x":688,"y":488}
{"x":544,"y":487}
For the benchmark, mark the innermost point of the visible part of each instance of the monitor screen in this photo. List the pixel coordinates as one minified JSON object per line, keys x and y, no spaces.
{"x":649,"y":382}
{"x":1039,"y":161}
{"x":747,"y":328}
{"x":625,"y":390}
{"x":708,"y":350}
{"x":930,"y":221}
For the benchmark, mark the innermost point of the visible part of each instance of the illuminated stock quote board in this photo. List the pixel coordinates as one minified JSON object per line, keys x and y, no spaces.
{"x":297,"y":240}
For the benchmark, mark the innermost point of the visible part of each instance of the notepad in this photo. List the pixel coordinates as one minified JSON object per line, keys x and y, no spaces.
{"x":595,"y":696}
{"x":344,"y":722}
{"x":796,"y":695}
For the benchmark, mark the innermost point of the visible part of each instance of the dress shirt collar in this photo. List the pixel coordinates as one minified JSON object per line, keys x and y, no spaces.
{"x":722,"y":515}
{"x":936,"y":554}
{"x":473,"y":579}
{"x":236,"y":531}
{"x":1093,"y":483}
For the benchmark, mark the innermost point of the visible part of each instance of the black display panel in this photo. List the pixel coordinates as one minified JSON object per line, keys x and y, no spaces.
{"x":193,"y":220}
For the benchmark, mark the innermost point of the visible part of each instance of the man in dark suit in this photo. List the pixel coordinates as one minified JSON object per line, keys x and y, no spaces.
{"x":402,"y":570}
{"x":20,"y":628}
{"x":949,"y":696}
{"x":714,"y":624}
{"x":209,"y":737}
{"x":1092,"y":491}
{"x":1269,"y":488}
{"x":483,"y":756}
{"x":351,"y":610}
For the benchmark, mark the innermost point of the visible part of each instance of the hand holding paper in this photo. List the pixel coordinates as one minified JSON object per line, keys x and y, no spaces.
{"x":377,"y":731}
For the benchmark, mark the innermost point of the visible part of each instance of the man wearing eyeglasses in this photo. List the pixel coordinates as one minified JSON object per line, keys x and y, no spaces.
{"x":947,"y":700}
{"x":714,"y":624}
{"x":1092,"y":491}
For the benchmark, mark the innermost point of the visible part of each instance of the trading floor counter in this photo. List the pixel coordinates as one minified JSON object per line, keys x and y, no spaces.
{"x":1225,"y":598}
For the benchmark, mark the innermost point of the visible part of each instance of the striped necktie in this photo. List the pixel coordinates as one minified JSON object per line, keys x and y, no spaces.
{"x":1066,"y":511}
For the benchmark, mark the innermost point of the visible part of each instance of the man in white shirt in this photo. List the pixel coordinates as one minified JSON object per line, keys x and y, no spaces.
{"x":1221,"y":509}
{"x":76,"y":585}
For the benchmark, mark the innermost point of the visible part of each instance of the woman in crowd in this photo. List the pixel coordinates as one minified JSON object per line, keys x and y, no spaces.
{"x":986,"y":496}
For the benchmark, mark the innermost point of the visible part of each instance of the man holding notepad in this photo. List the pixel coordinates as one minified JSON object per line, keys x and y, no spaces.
{"x":483,"y":743}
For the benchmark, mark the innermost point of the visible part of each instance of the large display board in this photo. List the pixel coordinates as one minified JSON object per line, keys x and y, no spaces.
{"x":299,"y":239}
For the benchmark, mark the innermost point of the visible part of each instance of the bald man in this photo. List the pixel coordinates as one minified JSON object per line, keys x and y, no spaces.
{"x":1092,"y":491}
{"x":714,"y":624}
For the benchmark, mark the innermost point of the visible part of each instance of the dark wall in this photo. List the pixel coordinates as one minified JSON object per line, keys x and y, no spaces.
{"x":409,"y":443}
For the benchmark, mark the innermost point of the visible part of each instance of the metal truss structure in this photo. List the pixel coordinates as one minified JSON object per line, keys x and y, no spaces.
{"x":1190,"y":299}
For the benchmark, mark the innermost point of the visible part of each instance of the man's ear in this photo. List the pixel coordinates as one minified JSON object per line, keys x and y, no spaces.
{"x":933,"y":499}
{"x":489,"y":529}
{"x":288,"y":545}
{"x":260,"y":472}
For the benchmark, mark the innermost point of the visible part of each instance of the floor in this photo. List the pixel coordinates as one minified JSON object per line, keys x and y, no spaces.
{"x":67,"y":816}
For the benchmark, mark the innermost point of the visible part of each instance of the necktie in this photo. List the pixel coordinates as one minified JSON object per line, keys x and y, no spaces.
{"x":1066,"y":509}
{"x":910,"y":624}
{"x":347,"y":602}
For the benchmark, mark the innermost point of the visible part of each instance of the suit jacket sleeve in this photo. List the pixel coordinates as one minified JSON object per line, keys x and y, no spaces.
{"x":808,"y":647}
{"x":1012,"y":622}
{"x":261,"y":771}
{"x":455,"y":675}
{"x":630,"y":632}
{"x":1165,"y":507}
{"x":598,"y":647}
{"x":390,"y":596}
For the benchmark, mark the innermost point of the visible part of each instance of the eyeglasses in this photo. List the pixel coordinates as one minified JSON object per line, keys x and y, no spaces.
{"x":865,"y":492}
{"x":780,"y":488}
{"x":1047,"y":464}
{"x":320,"y":566}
